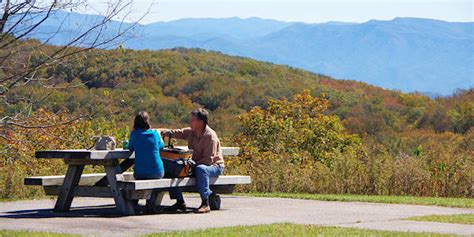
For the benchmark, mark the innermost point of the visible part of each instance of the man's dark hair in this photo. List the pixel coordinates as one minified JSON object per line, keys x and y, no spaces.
{"x":201,"y":114}
{"x":142,"y":121}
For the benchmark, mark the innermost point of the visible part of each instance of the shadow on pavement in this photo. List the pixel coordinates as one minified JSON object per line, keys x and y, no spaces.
{"x":86,"y":211}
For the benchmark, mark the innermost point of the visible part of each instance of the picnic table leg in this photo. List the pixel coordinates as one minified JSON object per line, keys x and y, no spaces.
{"x":122,"y":203}
{"x":70,"y":182}
{"x":155,"y":200}
{"x":124,"y":165}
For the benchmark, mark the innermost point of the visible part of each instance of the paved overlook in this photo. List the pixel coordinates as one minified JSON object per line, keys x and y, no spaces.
{"x":93,"y":216}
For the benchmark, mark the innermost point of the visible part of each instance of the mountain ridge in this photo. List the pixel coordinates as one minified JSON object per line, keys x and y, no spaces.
{"x":405,"y":53}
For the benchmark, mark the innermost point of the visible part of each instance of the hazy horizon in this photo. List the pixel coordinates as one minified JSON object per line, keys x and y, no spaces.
{"x":251,"y":17}
{"x":305,"y":11}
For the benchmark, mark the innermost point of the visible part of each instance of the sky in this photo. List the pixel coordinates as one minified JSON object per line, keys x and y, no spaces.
{"x":310,"y":11}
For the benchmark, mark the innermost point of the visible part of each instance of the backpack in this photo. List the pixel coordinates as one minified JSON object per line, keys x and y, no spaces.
{"x":176,"y":162}
{"x":215,"y":202}
{"x":104,"y":143}
{"x":178,"y":167}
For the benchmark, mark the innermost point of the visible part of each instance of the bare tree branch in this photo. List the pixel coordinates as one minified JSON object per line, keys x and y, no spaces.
{"x":22,"y":60}
{"x":22,"y":125}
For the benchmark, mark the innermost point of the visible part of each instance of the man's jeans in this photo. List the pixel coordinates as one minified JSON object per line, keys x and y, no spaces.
{"x":203,"y":172}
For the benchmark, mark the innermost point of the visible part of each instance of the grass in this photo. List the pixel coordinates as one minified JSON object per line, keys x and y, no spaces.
{"x":459,"y":218}
{"x":287,"y":230}
{"x":434,"y":201}
{"x":283,"y":229}
{"x":15,"y":233}
{"x":14,"y":199}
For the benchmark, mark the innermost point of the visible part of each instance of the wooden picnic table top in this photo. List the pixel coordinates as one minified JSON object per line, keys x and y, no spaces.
{"x":108,"y":154}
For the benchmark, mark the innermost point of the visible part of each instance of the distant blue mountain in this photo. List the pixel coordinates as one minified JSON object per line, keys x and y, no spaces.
{"x":235,"y":28}
{"x":62,"y":27}
{"x":406,"y":53}
{"x":409,"y":54}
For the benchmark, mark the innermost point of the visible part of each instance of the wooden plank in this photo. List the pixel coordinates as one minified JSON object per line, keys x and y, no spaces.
{"x":138,"y":194}
{"x":155,"y":200}
{"x":66,"y":194}
{"x":124,"y":165}
{"x":85,"y":154}
{"x":104,"y":191}
{"x":92,"y":179}
{"x":64,"y":154}
{"x":82,"y":191}
{"x":57,"y":180}
{"x":115,"y":154}
{"x":226,"y":151}
{"x":123,"y":204}
{"x":70,"y":161}
{"x":220,"y":189}
{"x":230,"y":151}
{"x":181,"y":182}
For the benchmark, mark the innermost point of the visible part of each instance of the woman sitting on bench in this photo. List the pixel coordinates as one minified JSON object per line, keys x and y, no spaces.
{"x":146,"y":143}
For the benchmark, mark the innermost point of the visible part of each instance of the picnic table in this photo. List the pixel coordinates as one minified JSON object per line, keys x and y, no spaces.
{"x":116,"y":182}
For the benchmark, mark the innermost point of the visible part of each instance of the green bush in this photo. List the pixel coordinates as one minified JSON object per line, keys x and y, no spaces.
{"x":294,"y":146}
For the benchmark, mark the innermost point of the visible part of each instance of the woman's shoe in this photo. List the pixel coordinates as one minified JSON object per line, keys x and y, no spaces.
{"x":178,"y":206}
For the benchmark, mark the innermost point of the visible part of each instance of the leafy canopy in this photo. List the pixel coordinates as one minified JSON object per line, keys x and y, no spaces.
{"x":295,"y":126}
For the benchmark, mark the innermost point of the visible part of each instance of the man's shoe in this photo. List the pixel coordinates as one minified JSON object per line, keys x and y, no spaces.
{"x":203,"y":209}
{"x":176,"y":207}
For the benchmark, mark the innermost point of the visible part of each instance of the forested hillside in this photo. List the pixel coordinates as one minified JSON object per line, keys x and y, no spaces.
{"x":170,"y":82}
{"x":112,"y":85}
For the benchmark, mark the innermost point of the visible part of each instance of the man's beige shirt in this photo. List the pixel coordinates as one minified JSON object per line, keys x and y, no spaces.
{"x":206,"y":147}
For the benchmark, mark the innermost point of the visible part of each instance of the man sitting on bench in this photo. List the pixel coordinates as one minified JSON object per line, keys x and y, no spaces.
{"x":206,"y":153}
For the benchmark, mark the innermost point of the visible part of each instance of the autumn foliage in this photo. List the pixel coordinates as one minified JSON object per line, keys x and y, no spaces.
{"x":299,"y":131}
{"x":36,"y":133}
{"x":293,"y":146}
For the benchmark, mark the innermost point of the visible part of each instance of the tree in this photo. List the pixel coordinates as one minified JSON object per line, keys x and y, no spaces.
{"x":296,"y":127}
{"x":23,"y":62}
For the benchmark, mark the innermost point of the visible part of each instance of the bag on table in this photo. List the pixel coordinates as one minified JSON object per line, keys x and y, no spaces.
{"x":104,"y":143}
{"x":175,"y":153}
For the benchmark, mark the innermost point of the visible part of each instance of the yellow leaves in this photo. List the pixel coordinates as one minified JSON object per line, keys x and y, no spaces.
{"x":296,"y":126}
{"x":18,"y":151}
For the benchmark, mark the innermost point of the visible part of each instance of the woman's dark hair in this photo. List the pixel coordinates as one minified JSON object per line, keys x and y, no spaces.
{"x":142,"y":121}
{"x":201,"y":114}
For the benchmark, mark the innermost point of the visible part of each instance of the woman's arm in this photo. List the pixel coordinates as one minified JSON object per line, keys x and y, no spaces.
{"x":131,"y":143}
{"x":161,"y":143}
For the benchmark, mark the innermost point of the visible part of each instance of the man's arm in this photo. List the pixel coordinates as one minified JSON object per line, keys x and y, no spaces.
{"x":184,"y":133}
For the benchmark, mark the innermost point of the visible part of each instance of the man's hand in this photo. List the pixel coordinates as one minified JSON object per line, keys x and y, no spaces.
{"x":167,"y":133}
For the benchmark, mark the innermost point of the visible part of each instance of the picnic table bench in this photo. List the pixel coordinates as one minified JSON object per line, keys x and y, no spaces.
{"x":115,"y":182}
